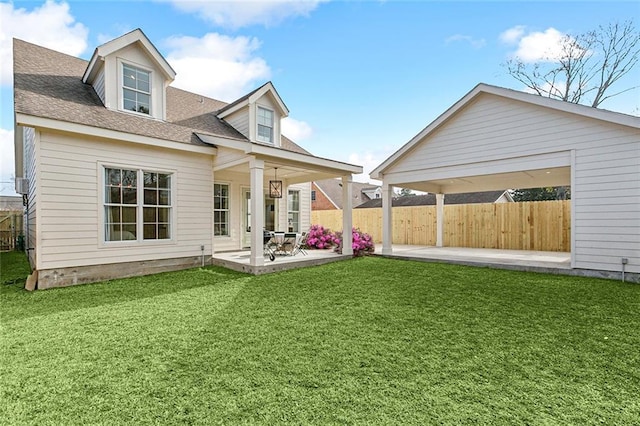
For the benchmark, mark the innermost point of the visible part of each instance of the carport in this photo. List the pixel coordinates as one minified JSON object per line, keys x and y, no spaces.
{"x":495,"y":138}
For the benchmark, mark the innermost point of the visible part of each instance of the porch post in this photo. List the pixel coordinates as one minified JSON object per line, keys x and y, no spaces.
{"x":347,"y":215}
{"x":256,"y":171}
{"x":439,"y":220}
{"x":387,"y":218}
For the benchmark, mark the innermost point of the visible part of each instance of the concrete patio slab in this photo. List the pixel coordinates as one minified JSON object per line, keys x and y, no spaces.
{"x":239,"y":261}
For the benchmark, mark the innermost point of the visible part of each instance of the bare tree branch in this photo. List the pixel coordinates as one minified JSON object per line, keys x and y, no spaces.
{"x":587,"y":67}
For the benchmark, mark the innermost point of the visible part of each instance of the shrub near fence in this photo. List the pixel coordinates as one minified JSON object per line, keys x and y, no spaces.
{"x":538,"y":225}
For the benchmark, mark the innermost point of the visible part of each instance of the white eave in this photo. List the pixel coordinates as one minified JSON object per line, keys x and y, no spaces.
{"x":267,"y":88}
{"x":86,"y":130}
{"x":568,"y":107}
{"x":135,"y":36}
{"x":279,"y":154}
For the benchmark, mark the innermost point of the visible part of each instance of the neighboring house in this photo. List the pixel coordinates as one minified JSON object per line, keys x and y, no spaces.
{"x":495,"y":136}
{"x":430,"y":199}
{"x":327,"y":194}
{"x":127,"y":175}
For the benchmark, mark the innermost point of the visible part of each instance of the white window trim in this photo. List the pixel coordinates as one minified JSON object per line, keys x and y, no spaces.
{"x":299,"y":211}
{"x":213,"y":224}
{"x":273,"y":125}
{"x":140,"y":241}
{"x":121,"y":63}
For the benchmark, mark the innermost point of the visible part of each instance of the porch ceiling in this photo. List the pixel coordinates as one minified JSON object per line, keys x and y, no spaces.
{"x":555,"y":176}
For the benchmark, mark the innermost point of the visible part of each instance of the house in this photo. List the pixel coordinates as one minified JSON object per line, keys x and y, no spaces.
{"x":126,"y":175}
{"x":430,"y":199}
{"x":327,"y":194}
{"x":495,"y":135}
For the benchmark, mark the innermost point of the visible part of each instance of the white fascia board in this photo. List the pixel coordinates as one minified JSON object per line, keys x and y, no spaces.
{"x":309,"y":161}
{"x":269,"y":88}
{"x":233,"y":109}
{"x":123,"y":41}
{"x":277,"y":154}
{"x":91,"y":68}
{"x":582,"y":110}
{"x":84,"y":130}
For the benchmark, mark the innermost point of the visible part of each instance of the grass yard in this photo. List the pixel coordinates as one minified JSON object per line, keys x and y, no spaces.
{"x":369,"y":340}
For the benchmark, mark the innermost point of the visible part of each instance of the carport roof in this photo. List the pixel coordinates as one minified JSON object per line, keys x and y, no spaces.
{"x":582,"y":110}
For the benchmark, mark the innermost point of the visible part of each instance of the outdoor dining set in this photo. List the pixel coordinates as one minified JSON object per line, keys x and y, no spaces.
{"x":283,"y":244}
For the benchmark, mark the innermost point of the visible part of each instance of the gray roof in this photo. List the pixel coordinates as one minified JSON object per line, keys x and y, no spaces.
{"x":430,"y":199}
{"x":49,"y":84}
{"x":333,"y":189}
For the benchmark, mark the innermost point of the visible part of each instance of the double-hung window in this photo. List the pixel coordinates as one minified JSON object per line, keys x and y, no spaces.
{"x":294,"y":211}
{"x":265,"y":125}
{"x":220,"y":210}
{"x":137,"y":205}
{"x":136,"y":89}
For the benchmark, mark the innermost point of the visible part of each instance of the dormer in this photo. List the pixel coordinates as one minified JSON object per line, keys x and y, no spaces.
{"x":130,"y":75}
{"x":257,"y":115}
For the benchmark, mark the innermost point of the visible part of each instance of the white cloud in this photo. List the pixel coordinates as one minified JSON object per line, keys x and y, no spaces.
{"x":474,"y":42}
{"x":512,"y":35}
{"x":50,"y":25}
{"x":296,"y":130}
{"x":369,"y":161}
{"x":236,"y":14}
{"x":215,"y":65}
{"x":7,"y":167}
{"x":536,"y":46}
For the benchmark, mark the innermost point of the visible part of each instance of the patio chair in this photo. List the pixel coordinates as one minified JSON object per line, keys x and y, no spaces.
{"x":300,"y":244}
{"x":268,"y":245}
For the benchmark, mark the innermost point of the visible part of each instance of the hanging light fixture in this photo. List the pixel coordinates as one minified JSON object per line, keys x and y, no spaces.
{"x":275,"y":186}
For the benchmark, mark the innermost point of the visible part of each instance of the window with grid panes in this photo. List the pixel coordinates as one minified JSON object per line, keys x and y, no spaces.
{"x":220,"y":209}
{"x":136,"y":89}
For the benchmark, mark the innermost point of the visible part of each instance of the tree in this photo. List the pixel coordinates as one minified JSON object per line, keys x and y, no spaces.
{"x":405,"y":192}
{"x":585,"y":67}
{"x":542,"y":194}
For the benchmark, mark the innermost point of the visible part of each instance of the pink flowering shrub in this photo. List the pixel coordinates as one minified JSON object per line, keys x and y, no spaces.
{"x":319,"y":237}
{"x":362,"y":243}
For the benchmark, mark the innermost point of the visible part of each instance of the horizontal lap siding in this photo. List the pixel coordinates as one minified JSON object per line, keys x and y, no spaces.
{"x":607,"y":199}
{"x":606,"y":192}
{"x":30,"y":170}
{"x":71,"y":201}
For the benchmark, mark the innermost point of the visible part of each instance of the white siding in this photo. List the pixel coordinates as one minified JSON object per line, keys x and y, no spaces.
{"x":31,"y":172}
{"x":98,"y":85}
{"x":240,"y":121}
{"x":113,"y":79}
{"x":606,"y":194}
{"x":70,"y":207}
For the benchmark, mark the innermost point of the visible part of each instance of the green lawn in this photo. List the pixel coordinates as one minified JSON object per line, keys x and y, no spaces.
{"x":364,"y":341}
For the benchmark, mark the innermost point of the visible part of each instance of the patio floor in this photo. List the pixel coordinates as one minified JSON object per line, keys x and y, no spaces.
{"x":239,"y":261}
{"x":522,"y":260}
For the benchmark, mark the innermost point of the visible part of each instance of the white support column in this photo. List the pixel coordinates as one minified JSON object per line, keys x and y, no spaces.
{"x":256,"y":171}
{"x":439,"y":220}
{"x":387,"y":218}
{"x":347,"y":214}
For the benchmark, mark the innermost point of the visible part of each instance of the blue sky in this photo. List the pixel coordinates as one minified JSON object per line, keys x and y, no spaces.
{"x":360,"y":78}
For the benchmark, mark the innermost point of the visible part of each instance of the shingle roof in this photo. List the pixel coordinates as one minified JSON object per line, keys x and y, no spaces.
{"x":49,"y":84}
{"x":333,"y":189}
{"x":430,"y":199}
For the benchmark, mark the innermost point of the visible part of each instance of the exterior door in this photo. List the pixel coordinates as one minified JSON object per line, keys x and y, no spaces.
{"x":269,"y":216}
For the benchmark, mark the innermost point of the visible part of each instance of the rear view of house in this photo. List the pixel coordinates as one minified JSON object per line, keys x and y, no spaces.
{"x":125,"y":175}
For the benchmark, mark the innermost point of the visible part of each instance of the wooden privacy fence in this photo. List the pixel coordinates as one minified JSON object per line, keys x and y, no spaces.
{"x":536,"y":225}
{"x":10,"y":228}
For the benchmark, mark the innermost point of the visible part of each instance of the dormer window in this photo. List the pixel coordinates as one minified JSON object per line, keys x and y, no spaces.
{"x":136,"y":89}
{"x":265,"y":125}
